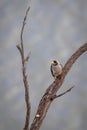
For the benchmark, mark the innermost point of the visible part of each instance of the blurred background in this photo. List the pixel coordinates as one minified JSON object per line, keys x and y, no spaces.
{"x":54,"y":30}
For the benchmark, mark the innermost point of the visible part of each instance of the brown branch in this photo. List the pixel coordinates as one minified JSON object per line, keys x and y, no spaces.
{"x":22,"y":29}
{"x":53,"y":88}
{"x":24,"y":72}
{"x":27,"y":57}
{"x":56,"y":96}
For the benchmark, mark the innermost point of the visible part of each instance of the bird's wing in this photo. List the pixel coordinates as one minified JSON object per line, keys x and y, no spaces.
{"x":51,"y":71}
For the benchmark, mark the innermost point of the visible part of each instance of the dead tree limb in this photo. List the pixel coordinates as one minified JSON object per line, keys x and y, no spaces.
{"x":51,"y":91}
{"x":57,"y":96}
{"x":24,"y":72}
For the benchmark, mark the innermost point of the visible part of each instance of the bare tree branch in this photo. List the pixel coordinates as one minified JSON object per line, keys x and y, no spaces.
{"x":22,"y":29}
{"x":51,"y":91}
{"x":56,"y":96}
{"x":28,"y":56}
{"x":73,"y":58}
{"x":24,"y":72}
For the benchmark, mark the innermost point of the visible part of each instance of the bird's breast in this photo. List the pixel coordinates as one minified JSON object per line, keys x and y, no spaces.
{"x":57,"y":70}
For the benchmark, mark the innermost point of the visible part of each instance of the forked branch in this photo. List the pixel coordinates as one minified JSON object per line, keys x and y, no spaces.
{"x":51,"y":91}
{"x":56,"y":96}
{"x":24,"y":72}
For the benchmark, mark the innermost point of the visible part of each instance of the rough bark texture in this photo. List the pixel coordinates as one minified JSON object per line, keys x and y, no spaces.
{"x":51,"y":91}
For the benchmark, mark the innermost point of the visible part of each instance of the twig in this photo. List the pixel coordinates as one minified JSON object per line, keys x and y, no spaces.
{"x":22,"y":29}
{"x":45,"y":102}
{"x":24,"y":72}
{"x":56,"y":96}
{"x":27,"y":57}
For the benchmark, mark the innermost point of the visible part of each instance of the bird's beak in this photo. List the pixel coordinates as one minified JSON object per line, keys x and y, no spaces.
{"x":52,"y":62}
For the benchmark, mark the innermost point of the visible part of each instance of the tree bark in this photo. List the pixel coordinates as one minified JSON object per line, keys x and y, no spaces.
{"x":51,"y":91}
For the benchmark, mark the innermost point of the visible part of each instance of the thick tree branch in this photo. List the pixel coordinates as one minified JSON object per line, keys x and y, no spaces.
{"x":51,"y":91}
{"x":53,"y":88}
{"x":73,"y":58}
{"x":24,"y":72}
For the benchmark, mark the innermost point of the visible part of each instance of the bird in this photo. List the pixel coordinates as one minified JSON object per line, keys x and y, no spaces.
{"x":56,"y":69}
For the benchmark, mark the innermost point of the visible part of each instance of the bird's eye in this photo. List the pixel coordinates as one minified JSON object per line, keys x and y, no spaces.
{"x":55,"y":62}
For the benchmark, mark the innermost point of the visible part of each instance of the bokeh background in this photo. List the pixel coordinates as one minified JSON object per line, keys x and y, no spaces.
{"x":54,"y":30}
